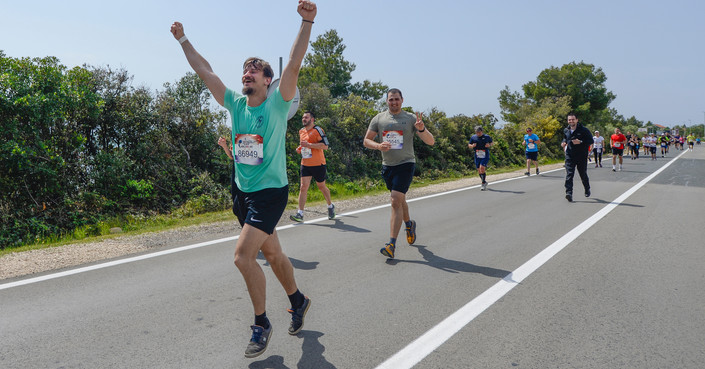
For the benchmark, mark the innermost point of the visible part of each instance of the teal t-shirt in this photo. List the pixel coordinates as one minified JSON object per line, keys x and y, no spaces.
{"x":258,"y":141}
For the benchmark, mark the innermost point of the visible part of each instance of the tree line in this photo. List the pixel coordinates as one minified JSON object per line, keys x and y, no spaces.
{"x":84,"y":145}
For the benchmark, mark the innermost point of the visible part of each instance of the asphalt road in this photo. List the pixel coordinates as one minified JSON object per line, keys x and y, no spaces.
{"x":512,"y":277}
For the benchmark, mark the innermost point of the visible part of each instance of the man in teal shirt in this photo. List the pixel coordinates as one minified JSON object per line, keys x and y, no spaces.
{"x":261,"y":186}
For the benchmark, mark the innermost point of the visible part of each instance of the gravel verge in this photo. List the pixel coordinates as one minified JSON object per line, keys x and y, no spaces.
{"x":37,"y":261}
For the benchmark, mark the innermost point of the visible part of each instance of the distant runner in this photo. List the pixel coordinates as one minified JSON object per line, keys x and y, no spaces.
{"x":597,"y":148}
{"x":481,"y":143}
{"x":531,"y":142}
{"x":312,"y":141}
{"x":617,"y":142}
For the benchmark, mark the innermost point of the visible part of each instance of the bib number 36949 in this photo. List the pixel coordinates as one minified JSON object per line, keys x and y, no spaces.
{"x":249,"y":149}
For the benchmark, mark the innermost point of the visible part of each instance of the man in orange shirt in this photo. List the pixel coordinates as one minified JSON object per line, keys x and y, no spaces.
{"x":313,"y":164}
{"x":617,"y":141}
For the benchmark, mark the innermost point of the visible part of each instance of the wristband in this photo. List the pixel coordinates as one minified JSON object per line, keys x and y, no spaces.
{"x":183,"y":39}
{"x":308,"y":21}
{"x":423,"y":130}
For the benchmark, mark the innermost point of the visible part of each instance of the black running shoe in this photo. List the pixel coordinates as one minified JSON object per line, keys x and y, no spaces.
{"x":331,"y":212}
{"x":297,"y":317}
{"x":569,"y":197}
{"x":258,"y":342}
{"x":587,"y":193}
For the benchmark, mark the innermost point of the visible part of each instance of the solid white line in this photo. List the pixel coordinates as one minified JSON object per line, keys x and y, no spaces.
{"x":203,"y":244}
{"x":417,"y":350}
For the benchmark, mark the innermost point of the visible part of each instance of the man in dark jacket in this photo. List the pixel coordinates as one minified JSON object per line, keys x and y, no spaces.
{"x":576,"y":144}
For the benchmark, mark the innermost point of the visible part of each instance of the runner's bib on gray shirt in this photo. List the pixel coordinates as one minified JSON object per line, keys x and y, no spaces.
{"x":398,"y":130}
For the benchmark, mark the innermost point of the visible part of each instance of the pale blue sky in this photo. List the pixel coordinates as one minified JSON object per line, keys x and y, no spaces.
{"x":450,"y":54}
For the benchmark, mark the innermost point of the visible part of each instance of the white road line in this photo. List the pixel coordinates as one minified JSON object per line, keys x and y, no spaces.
{"x":209,"y":243}
{"x":436,"y":336}
{"x":203,"y":244}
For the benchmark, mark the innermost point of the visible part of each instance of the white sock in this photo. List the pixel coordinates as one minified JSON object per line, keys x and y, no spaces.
{"x":330,"y":206}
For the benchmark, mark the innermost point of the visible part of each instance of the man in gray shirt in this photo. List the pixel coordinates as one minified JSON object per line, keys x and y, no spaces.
{"x":395,"y":129}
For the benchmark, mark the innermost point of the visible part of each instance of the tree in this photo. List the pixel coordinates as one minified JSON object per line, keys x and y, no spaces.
{"x":326,"y":65}
{"x":584,"y":83}
{"x":367,"y":90}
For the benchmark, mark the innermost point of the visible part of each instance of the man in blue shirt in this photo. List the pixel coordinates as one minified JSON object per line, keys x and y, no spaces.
{"x":481,"y":143}
{"x":531,"y":142}
{"x":260,"y":190}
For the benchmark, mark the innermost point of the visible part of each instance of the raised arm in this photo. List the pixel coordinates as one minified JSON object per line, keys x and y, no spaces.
{"x":290,"y":74}
{"x":199,"y":64}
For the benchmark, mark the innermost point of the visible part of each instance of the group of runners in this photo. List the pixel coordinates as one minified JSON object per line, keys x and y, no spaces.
{"x":260,"y":185}
{"x":649,"y":143}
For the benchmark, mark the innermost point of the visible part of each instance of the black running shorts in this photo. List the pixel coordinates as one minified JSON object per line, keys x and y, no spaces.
{"x":260,"y":209}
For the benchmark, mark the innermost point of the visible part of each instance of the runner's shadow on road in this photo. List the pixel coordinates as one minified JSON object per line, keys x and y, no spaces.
{"x":311,"y":355}
{"x":505,"y":191}
{"x":450,"y":266}
{"x":340,"y":225}
{"x":593,"y":200}
{"x":298,"y":264}
{"x":272,"y":362}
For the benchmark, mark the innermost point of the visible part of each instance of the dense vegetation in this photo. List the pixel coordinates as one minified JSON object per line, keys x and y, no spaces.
{"x":82,"y":146}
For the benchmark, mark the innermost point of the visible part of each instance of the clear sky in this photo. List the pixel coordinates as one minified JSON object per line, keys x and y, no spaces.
{"x":455,"y":55}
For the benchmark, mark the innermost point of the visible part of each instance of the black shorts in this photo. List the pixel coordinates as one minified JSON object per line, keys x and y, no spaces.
{"x":318,"y":172}
{"x":616,"y":151}
{"x":398,"y":177}
{"x":260,"y":209}
{"x":533,"y":155}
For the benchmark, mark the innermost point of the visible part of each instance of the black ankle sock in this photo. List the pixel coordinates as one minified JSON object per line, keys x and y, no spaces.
{"x":262,"y":321}
{"x":296,"y":299}
{"x":483,"y":175}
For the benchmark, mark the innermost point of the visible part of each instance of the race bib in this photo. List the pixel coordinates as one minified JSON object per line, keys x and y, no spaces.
{"x":480,"y":154}
{"x":395,"y":138}
{"x":531,"y":145}
{"x":249,"y":149}
{"x":306,"y":153}
{"x":617,"y":145}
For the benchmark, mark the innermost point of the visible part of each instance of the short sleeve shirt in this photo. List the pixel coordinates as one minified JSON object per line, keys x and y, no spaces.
{"x":399,"y":130}
{"x":597,"y":144}
{"x":531,"y":146}
{"x":481,"y":151}
{"x":312,"y":157}
{"x":618,"y":140}
{"x":258,"y":141}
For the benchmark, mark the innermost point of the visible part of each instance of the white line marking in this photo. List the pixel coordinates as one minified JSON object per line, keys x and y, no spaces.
{"x":417,"y":350}
{"x":213,"y":242}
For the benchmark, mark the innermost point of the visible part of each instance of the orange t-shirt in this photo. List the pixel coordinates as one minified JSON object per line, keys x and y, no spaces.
{"x":311,"y":157}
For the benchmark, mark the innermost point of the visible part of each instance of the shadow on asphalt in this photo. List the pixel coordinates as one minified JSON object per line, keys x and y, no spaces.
{"x":298,"y":264}
{"x":593,"y":200}
{"x":450,"y":266}
{"x":339,"y":224}
{"x":311,"y":355}
{"x":505,"y":191}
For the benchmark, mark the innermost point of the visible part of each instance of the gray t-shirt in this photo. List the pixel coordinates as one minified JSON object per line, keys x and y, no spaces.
{"x":399,"y":130}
